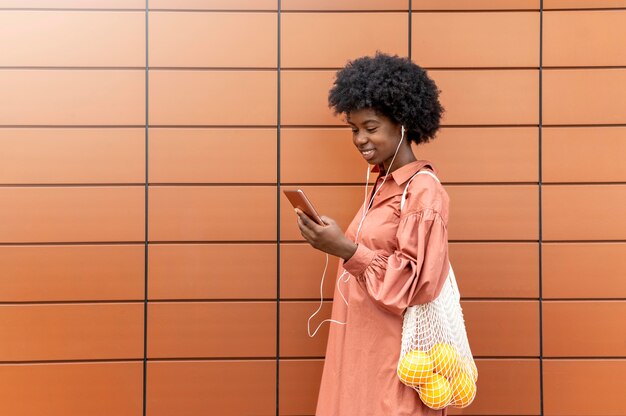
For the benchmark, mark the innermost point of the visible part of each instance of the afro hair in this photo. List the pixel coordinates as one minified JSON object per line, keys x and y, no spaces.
{"x":393,"y":86}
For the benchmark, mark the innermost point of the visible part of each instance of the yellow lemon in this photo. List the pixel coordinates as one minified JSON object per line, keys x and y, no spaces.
{"x":415,"y":368}
{"x":445,"y":359}
{"x":436,"y":393}
{"x":463,"y":390}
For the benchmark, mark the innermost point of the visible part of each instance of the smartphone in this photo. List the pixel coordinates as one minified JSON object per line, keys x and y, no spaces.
{"x":299,"y":200}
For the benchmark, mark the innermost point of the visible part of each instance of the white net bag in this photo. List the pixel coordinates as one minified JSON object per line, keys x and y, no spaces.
{"x":435,"y":358}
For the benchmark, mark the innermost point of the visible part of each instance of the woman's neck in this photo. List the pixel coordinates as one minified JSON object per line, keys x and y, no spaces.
{"x":404,"y":157}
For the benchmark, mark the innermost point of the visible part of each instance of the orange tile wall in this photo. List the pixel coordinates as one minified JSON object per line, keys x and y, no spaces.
{"x":149,"y":264}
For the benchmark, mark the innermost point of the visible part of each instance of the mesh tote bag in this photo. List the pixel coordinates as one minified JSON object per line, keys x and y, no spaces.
{"x":435,"y":358}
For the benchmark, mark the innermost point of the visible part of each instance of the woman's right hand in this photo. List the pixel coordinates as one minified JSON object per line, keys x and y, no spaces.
{"x":328,"y":238}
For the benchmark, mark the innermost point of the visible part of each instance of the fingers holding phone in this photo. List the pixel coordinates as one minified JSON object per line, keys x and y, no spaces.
{"x":322,"y":232}
{"x":308,"y":228}
{"x":298,"y":200}
{"x":328,"y":238}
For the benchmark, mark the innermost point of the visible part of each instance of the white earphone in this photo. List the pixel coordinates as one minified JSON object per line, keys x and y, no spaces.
{"x":366,"y":208}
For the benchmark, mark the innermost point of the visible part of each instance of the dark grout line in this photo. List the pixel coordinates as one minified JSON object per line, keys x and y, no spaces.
{"x":284,"y":299}
{"x":298,"y":11}
{"x":72,"y":302}
{"x":278,"y":201}
{"x":410,"y":40}
{"x":282,"y":358}
{"x":582,"y":9}
{"x":290,"y":68}
{"x":69,"y":9}
{"x":77,"y":361}
{"x":72,"y":68}
{"x":273,"y":184}
{"x":540,"y":219}
{"x":276,"y":242}
{"x":146,"y":224}
{"x":289,"y":126}
{"x":290,"y":184}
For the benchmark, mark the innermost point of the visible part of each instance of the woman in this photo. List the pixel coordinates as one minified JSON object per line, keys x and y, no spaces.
{"x":392,"y":259}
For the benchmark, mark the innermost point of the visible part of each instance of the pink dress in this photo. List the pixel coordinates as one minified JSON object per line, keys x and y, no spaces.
{"x":401,"y":260}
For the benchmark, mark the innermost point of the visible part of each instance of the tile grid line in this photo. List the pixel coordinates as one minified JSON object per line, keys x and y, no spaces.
{"x":145,"y":293}
{"x":278,"y":189}
{"x":410,"y":31}
{"x":241,"y":10}
{"x":541,"y":398}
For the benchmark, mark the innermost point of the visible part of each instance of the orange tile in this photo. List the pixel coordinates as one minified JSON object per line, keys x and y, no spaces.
{"x":584,"y":96}
{"x":340,"y":203}
{"x":299,"y":386}
{"x":498,"y":154}
{"x":584,"y":387}
{"x":226,"y":388}
{"x":344,"y":5}
{"x":505,"y":387}
{"x":473,"y":97}
{"x":583,"y":328}
{"x":476,"y":5}
{"x":351,"y":35}
{"x":593,"y":266}
{"x":304,"y":98}
{"x":588,"y":38}
{"x":74,"y":272}
{"x":212,"y":213}
{"x":493,"y":212}
{"x":212,"y":271}
{"x":583,"y":154}
{"x":294,"y":338}
{"x":252,"y":35}
{"x":73,"y":97}
{"x":582,"y":4}
{"x":320,"y":156}
{"x":569,"y":215}
{"x":73,"y":38}
{"x":212,"y":98}
{"x":193,"y":155}
{"x":72,"y":214}
{"x":77,"y":155}
{"x":512,"y":328}
{"x":499,"y":270}
{"x":73,"y":4}
{"x":212,"y":329}
{"x":503,"y":39}
{"x":72,"y":389}
{"x":301,"y":269}
{"x":71,"y":331}
{"x":214,"y":4}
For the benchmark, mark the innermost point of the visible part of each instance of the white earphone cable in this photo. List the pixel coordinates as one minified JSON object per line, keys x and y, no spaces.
{"x":366,"y":208}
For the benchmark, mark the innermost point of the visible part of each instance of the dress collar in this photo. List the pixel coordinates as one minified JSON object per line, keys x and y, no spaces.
{"x":404,"y":173}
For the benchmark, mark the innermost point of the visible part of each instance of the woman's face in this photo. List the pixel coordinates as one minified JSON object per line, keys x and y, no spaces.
{"x":375,"y":136}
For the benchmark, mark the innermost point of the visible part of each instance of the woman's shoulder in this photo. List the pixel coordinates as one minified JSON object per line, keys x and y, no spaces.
{"x":425,"y":191}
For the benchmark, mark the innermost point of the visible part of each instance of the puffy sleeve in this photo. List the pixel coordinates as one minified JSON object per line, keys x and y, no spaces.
{"x":415,"y":272}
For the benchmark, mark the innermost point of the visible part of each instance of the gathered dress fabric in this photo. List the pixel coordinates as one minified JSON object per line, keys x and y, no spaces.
{"x":401,"y":260}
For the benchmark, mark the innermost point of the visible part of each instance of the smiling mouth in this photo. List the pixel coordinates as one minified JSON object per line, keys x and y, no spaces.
{"x":367,"y":154}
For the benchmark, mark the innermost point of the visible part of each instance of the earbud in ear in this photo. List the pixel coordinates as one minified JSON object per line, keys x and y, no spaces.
{"x":402,"y":132}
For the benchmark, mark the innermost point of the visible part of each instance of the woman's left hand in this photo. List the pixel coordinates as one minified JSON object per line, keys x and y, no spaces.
{"x":328,"y":238}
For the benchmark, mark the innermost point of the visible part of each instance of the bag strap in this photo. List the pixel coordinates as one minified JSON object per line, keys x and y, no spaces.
{"x":451,"y":279}
{"x":408,"y":183}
